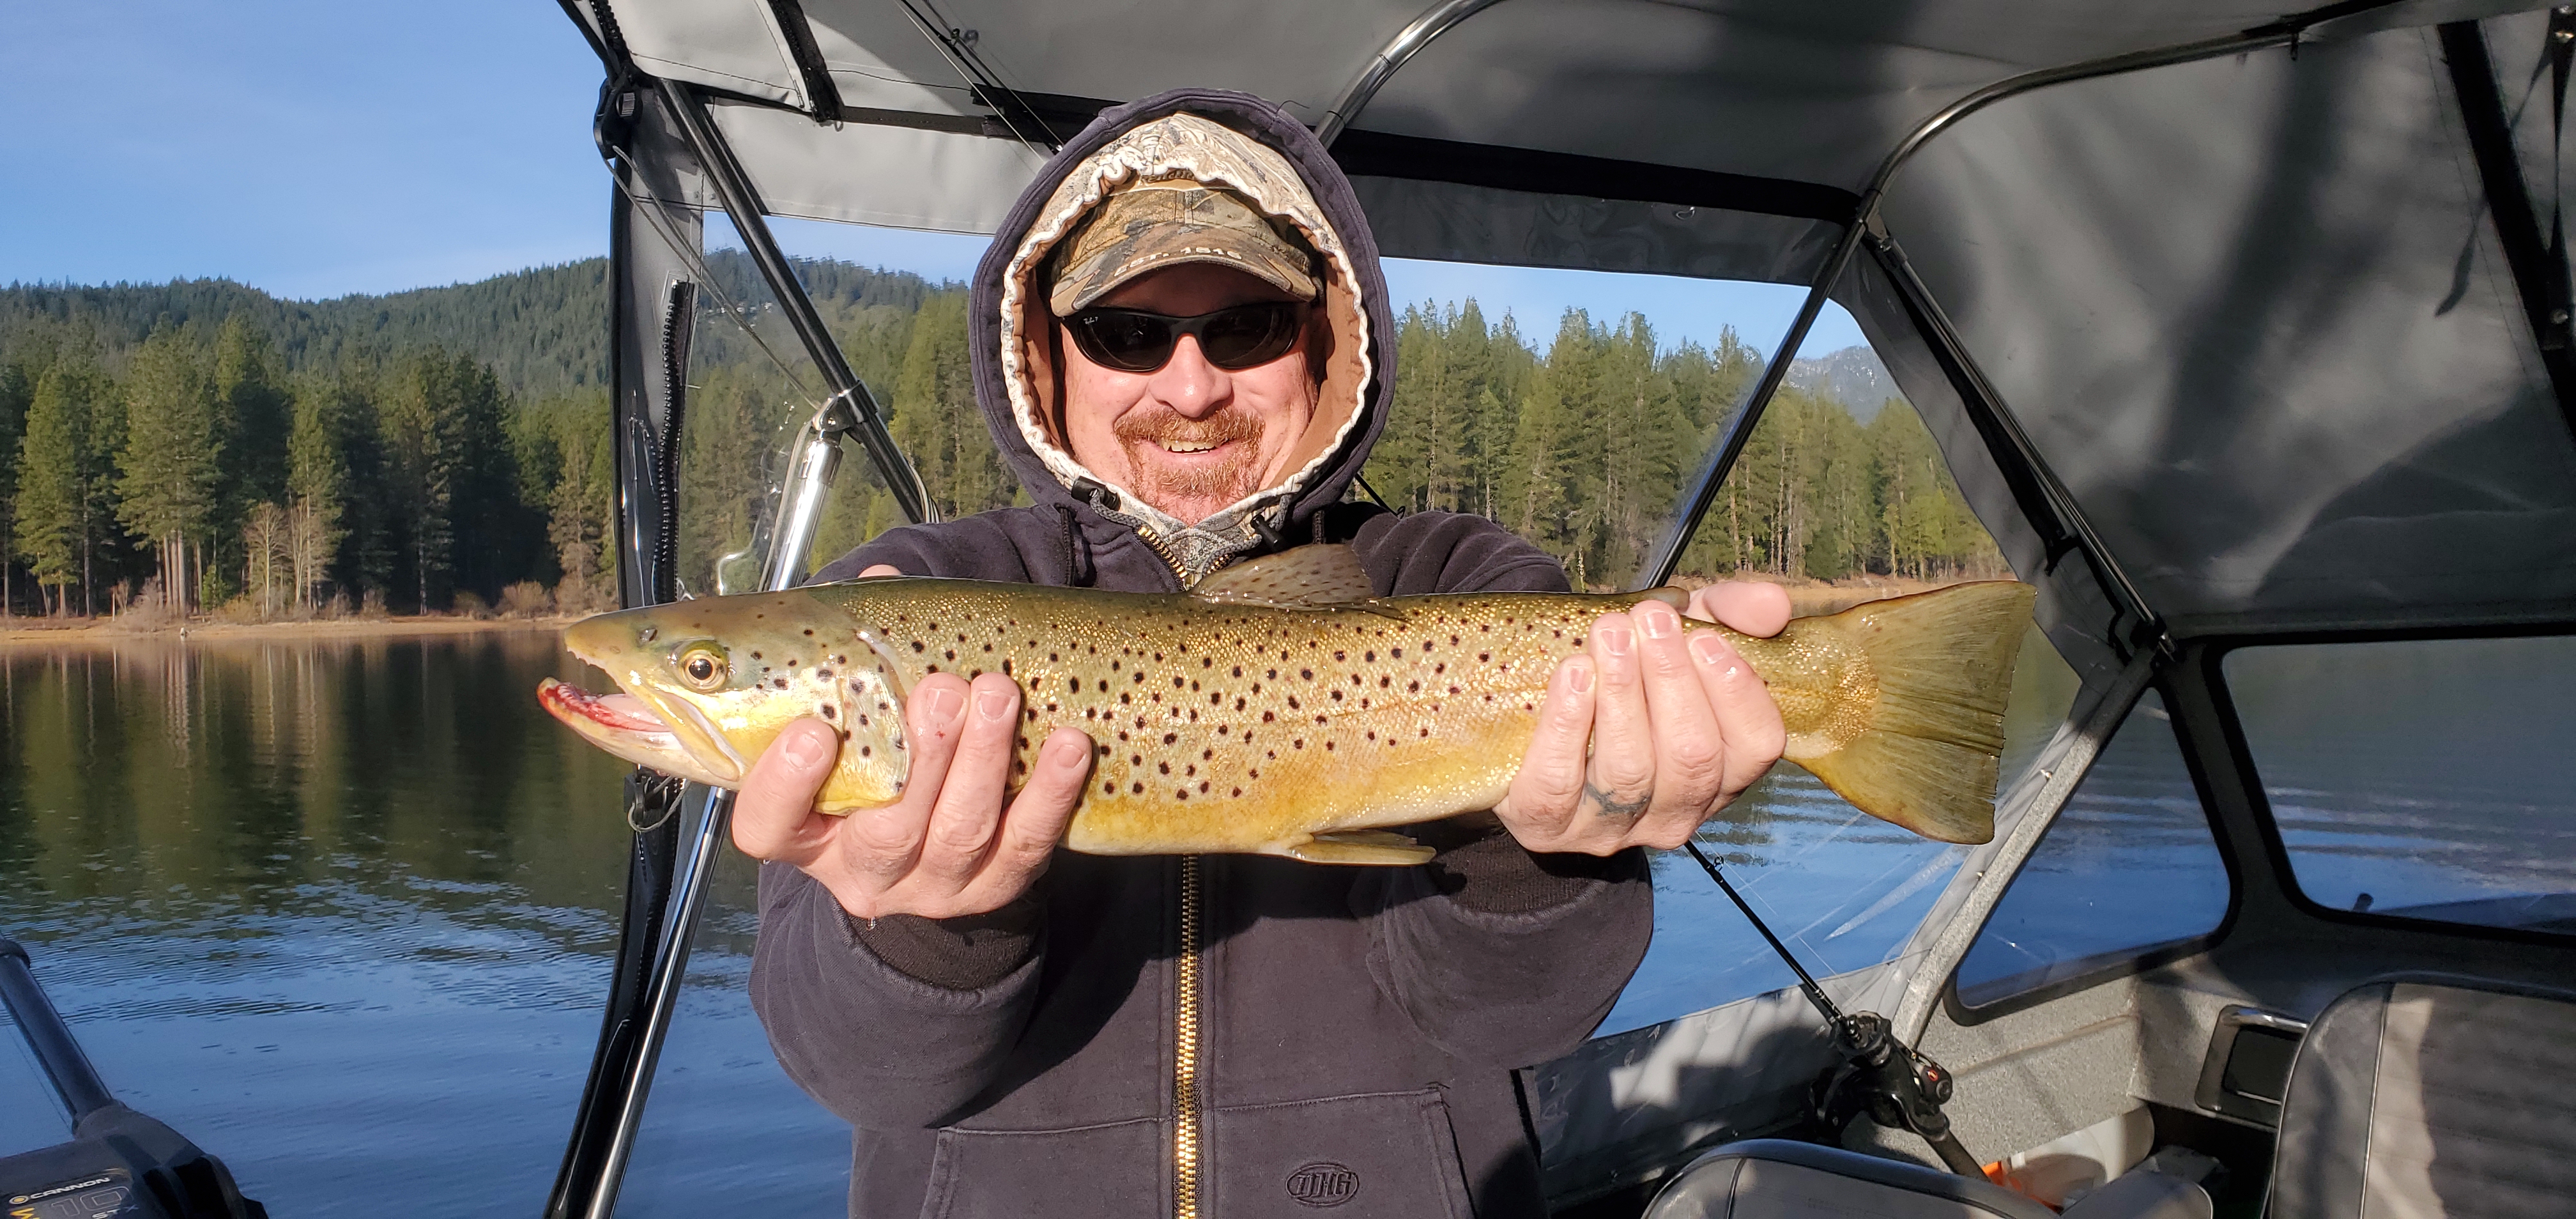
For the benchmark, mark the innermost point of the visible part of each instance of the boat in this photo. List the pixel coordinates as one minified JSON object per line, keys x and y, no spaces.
{"x":2246,"y":334}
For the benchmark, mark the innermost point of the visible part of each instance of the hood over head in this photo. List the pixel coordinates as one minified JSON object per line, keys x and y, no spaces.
{"x":1256,"y":151}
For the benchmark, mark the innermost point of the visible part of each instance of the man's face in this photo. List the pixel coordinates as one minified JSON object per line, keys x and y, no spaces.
{"x":1189,"y":437}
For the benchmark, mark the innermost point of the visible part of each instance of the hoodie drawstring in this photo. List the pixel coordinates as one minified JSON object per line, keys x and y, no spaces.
{"x":1066,"y":514}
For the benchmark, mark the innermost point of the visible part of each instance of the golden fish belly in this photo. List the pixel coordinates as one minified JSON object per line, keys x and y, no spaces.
{"x":1241,"y":728}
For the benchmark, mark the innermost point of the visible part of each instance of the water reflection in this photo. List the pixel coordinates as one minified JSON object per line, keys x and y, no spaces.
{"x":338,"y":910}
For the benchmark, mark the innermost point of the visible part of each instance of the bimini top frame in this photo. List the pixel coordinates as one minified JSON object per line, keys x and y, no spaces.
{"x":2304,"y":205}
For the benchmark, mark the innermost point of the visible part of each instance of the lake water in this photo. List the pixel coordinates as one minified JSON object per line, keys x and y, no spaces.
{"x":341,"y":911}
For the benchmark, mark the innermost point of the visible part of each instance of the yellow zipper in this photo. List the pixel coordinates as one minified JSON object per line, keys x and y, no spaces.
{"x":1173,"y":561}
{"x":1186,"y":1152}
{"x":1187,"y":1162}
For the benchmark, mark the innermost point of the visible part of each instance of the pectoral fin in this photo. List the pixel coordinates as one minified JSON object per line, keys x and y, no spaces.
{"x":1361,"y":847}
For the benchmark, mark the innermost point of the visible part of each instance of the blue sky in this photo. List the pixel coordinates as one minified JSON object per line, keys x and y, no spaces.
{"x":321,"y":149}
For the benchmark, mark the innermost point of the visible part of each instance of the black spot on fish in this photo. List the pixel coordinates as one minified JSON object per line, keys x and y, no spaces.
{"x":867,"y":750}
{"x":809,"y":630}
{"x":1182,"y":794}
{"x":1165,"y":767}
{"x":1138,"y":787}
{"x":1238,"y":791}
{"x":919,"y":646}
{"x":1300,"y":742}
{"x":829,"y":711}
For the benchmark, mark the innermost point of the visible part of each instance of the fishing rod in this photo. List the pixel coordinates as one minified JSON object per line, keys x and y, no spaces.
{"x":1896,"y":1085}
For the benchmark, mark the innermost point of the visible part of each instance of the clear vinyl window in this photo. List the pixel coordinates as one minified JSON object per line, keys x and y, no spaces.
{"x":2130,"y":864}
{"x":2424,"y":779}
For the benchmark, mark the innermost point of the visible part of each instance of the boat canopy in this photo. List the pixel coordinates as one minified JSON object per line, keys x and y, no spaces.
{"x":2234,"y":326}
{"x":2257,"y":312}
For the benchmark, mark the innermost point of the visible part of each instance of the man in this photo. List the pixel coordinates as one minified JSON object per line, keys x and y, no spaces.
{"x":1182,"y":346}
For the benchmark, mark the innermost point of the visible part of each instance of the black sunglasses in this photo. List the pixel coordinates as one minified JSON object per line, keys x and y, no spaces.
{"x":1132,"y":340}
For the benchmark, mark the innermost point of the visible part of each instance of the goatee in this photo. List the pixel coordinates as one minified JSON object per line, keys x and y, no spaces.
{"x":1217,"y":483}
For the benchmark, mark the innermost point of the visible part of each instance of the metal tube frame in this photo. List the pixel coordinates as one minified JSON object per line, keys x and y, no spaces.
{"x":1865,"y":218}
{"x":850,"y":411}
{"x":1437,"y":20}
{"x":66,"y":1066}
{"x":709,"y":811}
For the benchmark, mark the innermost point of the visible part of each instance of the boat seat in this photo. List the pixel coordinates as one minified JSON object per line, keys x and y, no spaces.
{"x":2431,"y":1096}
{"x":1779,"y":1179}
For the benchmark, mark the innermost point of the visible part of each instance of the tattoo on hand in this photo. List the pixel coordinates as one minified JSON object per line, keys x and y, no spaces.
{"x":1604,"y":805}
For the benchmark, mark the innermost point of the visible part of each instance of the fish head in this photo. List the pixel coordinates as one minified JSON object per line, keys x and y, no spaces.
{"x":720,"y":678}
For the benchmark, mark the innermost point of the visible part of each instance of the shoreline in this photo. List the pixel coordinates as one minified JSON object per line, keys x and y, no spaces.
{"x":111,"y":630}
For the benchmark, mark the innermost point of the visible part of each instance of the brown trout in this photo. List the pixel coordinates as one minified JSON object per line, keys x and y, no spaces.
{"x":1280,"y":708}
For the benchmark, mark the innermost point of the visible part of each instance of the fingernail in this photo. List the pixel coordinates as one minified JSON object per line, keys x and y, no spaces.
{"x":1616,"y":640}
{"x":1066,"y":755}
{"x":1578,"y":678}
{"x":993,"y":705}
{"x":1708,"y":648}
{"x":807,"y":750}
{"x":1656,"y":620}
{"x":941,"y":706}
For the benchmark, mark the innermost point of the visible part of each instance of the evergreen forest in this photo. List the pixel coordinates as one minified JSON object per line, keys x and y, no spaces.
{"x":203,"y":447}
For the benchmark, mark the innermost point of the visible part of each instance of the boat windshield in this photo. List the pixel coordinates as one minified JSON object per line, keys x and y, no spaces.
{"x":2422,"y":779}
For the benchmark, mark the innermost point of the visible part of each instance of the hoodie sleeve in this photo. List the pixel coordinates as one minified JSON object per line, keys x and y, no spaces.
{"x":876,"y":1043}
{"x":1502,"y":956}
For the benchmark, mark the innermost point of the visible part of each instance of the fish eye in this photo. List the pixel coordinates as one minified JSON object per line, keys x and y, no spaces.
{"x":703,"y":667}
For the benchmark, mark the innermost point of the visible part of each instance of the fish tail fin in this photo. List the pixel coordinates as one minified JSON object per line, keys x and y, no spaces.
{"x":1944,"y":664}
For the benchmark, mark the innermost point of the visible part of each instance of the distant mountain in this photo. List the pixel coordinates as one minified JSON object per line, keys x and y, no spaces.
{"x":543,"y":330}
{"x":1852,"y":376}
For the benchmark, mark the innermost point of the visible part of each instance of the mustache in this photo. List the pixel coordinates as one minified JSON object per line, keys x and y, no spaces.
{"x":1162,"y":425}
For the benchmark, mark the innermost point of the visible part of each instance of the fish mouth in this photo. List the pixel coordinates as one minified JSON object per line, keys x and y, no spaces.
{"x":638,"y":737}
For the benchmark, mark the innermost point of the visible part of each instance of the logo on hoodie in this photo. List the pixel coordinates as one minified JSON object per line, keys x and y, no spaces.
{"x":1323,"y":1183}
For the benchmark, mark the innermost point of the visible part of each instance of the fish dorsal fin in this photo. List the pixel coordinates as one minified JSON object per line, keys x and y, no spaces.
{"x":1309,"y":577}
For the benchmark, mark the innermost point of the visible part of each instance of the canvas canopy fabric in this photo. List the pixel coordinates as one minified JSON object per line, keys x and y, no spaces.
{"x":2254,"y":311}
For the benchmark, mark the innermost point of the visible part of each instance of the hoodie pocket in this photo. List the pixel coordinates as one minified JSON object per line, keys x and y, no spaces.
{"x":1113,"y":1171}
{"x":1386,"y":1153}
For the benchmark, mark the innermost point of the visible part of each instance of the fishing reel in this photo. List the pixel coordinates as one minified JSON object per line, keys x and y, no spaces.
{"x":1897,"y":1086}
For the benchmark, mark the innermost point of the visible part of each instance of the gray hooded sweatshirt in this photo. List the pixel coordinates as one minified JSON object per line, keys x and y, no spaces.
{"x":1228,"y":1036}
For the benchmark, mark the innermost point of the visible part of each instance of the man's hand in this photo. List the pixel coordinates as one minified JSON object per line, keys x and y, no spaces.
{"x":1678,"y":726}
{"x":955,"y":844}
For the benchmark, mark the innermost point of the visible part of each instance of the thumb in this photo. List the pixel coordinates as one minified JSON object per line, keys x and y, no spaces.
{"x":770,"y":815}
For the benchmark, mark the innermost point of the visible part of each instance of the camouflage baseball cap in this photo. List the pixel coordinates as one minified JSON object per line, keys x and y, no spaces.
{"x":1152,"y":225}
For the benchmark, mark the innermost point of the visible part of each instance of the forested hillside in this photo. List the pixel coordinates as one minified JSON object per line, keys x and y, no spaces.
{"x":201,"y":445}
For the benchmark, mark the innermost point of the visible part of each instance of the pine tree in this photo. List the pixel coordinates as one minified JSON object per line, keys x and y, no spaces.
{"x":316,"y":481}
{"x":61,"y":476}
{"x":937,"y":421}
{"x":418,"y":416}
{"x":169,"y":466}
{"x":17,"y":389}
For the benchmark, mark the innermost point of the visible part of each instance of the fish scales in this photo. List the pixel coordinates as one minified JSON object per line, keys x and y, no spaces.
{"x":1229,"y":721}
